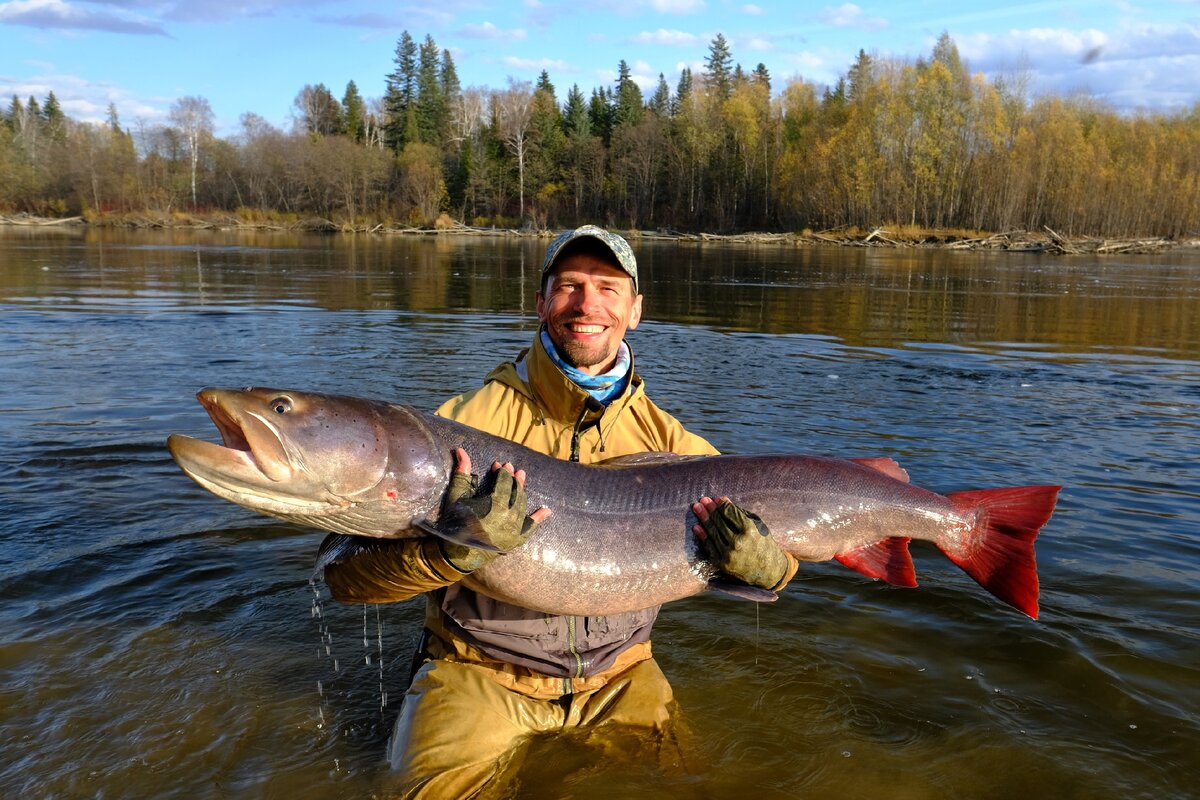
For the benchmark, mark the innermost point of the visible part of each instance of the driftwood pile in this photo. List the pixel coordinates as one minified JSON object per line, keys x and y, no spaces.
{"x":1046,"y":241}
{"x":1016,"y":241}
{"x":26,"y":219}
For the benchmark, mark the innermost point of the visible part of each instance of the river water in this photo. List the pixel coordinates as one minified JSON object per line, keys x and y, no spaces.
{"x":159,"y":642}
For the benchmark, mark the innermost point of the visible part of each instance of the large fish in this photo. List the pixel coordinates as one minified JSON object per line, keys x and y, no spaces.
{"x":620,"y":536}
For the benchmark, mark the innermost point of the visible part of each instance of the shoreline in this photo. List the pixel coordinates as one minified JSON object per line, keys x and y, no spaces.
{"x":896,"y":237}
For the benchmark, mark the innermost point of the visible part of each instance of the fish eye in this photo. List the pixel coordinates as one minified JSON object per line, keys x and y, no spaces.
{"x":281,"y":405}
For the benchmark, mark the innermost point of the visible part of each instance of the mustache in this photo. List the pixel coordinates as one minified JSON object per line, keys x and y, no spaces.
{"x":585,"y":320}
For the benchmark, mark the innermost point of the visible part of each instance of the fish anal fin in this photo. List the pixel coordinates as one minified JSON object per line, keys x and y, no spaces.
{"x":887,"y":560}
{"x":887,"y":466}
{"x":742,"y":591}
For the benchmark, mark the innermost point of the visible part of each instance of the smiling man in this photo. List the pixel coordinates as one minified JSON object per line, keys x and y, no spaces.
{"x":490,"y":675}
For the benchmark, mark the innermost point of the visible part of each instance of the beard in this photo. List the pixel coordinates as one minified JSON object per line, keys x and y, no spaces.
{"x":582,"y":355}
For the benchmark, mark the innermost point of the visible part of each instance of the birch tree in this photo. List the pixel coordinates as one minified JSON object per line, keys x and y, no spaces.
{"x":193,"y":116}
{"x":514,"y":112}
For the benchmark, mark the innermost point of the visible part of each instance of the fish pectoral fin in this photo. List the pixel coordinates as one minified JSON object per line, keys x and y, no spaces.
{"x":457,"y":536}
{"x":887,"y":559}
{"x":743,"y":591}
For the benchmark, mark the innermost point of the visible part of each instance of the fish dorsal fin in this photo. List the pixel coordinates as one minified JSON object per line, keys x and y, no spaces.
{"x":644,"y":459}
{"x":887,"y":560}
{"x":887,"y":466}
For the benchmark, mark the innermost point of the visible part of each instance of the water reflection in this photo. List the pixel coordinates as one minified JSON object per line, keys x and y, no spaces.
{"x":861,"y":296}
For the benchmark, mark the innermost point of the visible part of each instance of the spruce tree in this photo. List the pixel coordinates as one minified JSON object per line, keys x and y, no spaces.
{"x":718,"y":67}
{"x":429,"y":101}
{"x":354,"y":112}
{"x":761,"y":77}
{"x":600,"y":112}
{"x":53,"y":117}
{"x":660,"y":102}
{"x":629,"y":98}
{"x":401,"y":92}
{"x":575,"y":114}
{"x":683,"y":90}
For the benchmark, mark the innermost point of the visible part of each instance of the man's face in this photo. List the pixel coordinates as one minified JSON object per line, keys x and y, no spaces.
{"x":587,"y":307}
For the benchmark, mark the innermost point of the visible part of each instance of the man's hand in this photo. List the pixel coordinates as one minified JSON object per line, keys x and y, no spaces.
{"x":738,"y":543}
{"x":494,"y":514}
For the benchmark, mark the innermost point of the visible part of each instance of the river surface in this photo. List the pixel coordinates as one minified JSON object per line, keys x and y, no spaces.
{"x":159,"y":642}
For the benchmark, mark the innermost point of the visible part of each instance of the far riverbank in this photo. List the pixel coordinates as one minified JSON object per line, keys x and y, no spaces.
{"x":894,"y":236}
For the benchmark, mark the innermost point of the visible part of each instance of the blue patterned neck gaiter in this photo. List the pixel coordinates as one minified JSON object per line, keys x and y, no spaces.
{"x":604,"y":388}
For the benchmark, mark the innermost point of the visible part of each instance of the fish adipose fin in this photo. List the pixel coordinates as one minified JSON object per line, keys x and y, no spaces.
{"x":743,"y":591}
{"x":887,"y":560}
{"x":887,"y":466}
{"x":998,"y":552}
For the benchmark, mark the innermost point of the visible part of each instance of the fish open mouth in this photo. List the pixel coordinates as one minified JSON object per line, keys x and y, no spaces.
{"x":229,"y":428}
{"x":251,"y":466}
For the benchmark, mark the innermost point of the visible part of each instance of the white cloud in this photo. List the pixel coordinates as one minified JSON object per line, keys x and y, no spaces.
{"x":1133,"y":67}
{"x":538,"y":64}
{"x":59,"y":15}
{"x":849,"y":15}
{"x":487,"y":30}
{"x":82,"y":99}
{"x":753,"y":10}
{"x":759,"y":43}
{"x":677,"y":6}
{"x":667,"y":37}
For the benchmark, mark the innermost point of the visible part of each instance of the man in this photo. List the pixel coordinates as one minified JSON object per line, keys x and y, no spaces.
{"x":492,"y":673}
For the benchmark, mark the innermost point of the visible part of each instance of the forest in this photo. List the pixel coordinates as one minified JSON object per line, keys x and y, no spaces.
{"x":921,"y":143}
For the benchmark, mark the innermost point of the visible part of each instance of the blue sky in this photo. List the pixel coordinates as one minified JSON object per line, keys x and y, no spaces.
{"x":256,"y":55}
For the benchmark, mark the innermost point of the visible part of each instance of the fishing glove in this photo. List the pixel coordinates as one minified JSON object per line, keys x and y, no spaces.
{"x":740,"y":545}
{"x":493,"y":513}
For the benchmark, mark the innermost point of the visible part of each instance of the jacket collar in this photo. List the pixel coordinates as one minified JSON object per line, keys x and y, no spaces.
{"x":535,"y":375}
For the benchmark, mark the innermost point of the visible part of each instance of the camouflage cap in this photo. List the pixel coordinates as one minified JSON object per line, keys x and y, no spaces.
{"x":617,"y":244}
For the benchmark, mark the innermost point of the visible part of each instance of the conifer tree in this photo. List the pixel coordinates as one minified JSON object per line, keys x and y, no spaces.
{"x":575,"y":114}
{"x":430,"y":105}
{"x":354,"y":113}
{"x":718,"y":67}
{"x":401,"y":93}
{"x":682,"y":90}
{"x":53,"y":117}
{"x":451,"y":90}
{"x":762,"y":77}
{"x":628,"y":109}
{"x":660,"y":101}
{"x":600,"y":112}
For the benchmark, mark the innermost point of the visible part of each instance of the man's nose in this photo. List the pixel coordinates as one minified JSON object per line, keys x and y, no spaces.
{"x":588,"y":299}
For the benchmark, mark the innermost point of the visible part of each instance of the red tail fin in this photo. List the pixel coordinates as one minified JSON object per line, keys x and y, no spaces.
{"x":998,"y":553}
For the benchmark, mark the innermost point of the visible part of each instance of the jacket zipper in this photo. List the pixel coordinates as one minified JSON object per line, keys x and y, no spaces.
{"x":572,"y":649}
{"x":589,"y":416}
